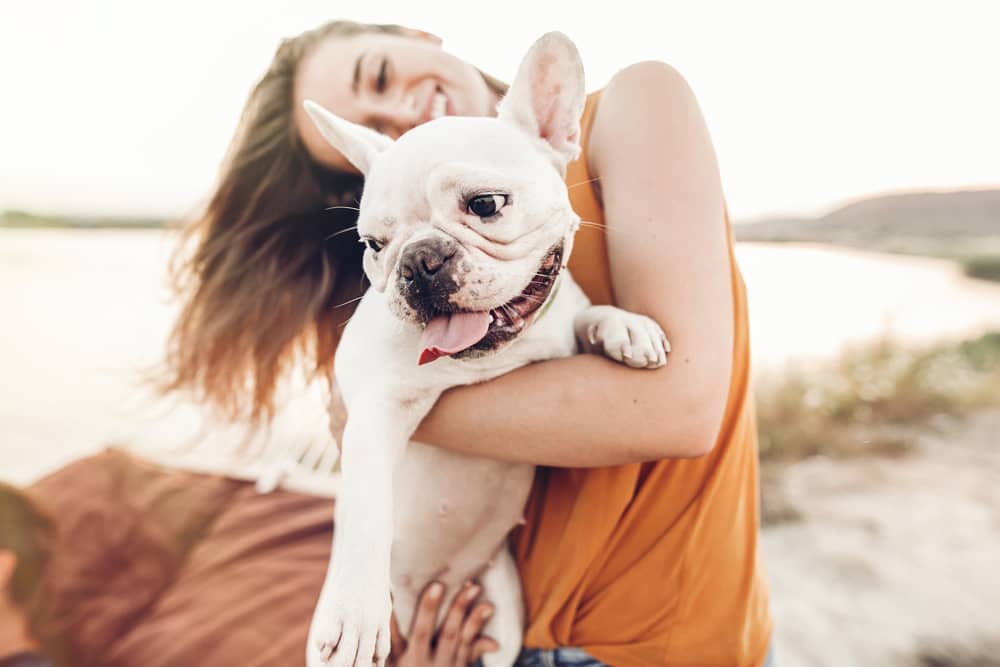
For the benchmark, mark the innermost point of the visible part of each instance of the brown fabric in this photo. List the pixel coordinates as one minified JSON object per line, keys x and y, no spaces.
{"x":159,"y":568}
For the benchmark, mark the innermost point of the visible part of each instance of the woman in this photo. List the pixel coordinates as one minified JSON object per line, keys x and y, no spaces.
{"x":640,"y":547}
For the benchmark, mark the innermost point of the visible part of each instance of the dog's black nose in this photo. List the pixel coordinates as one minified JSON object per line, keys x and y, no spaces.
{"x":427,"y":276}
{"x":422,"y":261}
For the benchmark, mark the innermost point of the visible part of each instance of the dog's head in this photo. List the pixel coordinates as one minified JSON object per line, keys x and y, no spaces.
{"x":467,"y":221}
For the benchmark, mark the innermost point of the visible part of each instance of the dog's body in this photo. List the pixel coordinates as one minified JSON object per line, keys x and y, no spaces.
{"x":468,"y":224}
{"x":452,"y":513}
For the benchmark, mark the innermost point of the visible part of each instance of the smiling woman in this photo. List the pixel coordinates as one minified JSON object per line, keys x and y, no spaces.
{"x":640,"y":546}
{"x":398,"y":81}
{"x":281,"y":216}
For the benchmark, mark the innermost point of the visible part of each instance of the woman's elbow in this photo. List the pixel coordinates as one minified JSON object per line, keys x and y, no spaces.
{"x":687,"y":430}
{"x":701,"y":439}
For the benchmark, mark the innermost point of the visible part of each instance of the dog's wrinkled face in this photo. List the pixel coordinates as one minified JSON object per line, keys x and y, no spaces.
{"x":466,"y":221}
{"x":466,"y":216}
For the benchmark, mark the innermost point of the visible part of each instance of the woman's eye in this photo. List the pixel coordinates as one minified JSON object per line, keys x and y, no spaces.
{"x":372,"y":244}
{"x":380,"y":80}
{"x":486,"y":206}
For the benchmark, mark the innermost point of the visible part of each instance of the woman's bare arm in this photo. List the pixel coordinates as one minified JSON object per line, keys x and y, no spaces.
{"x":669,"y":259}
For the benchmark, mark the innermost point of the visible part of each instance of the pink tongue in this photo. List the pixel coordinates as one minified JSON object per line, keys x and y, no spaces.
{"x":448,"y":334}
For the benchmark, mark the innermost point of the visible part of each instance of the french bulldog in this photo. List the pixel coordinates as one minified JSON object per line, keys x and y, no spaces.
{"x":467,"y":228}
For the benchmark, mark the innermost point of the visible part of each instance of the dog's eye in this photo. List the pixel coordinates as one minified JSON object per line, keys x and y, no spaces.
{"x":372,"y":244}
{"x":486,"y":206}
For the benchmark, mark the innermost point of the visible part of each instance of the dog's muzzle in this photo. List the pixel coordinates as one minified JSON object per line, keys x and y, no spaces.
{"x":427,"y":277}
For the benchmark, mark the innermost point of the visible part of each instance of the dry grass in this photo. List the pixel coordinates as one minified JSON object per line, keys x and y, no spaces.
{"x":986,"y":654}
{"x":862,"y":403}
{"x":986,"y":267}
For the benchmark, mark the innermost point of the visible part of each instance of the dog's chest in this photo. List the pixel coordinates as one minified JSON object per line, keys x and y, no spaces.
{"x":452,"y":512}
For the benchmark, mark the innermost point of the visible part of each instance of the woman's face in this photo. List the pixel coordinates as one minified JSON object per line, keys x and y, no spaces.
{"x":390,"y":83}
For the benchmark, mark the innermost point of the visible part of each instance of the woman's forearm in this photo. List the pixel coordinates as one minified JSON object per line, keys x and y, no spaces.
{"x":581,"y":411}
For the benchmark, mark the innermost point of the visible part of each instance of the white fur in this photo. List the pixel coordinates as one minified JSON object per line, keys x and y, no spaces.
{"x":407,"y":513}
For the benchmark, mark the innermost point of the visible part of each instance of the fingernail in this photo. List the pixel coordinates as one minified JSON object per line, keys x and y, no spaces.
{"x":436,"y":591}
{"x":486,"y":613}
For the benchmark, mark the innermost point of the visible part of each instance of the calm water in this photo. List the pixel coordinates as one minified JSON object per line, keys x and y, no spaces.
{"x":85,"y":312}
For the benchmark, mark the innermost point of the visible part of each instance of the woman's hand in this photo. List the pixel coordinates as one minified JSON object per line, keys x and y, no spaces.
{"x":458,"y":644}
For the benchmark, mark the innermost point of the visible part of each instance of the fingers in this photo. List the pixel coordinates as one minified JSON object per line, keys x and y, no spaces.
{"x":482,"y":646}
{"x":397,"y":642}
{"x":418,"y":643}
{"x":471,"y":629}
{"x":459,"y":640}
{"x":449,"y":638}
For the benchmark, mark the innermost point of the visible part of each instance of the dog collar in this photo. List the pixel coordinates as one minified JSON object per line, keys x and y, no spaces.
{"x":552,"y":297}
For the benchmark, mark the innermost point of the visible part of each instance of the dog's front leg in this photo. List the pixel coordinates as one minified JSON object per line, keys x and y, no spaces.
{"x":351,"y":623}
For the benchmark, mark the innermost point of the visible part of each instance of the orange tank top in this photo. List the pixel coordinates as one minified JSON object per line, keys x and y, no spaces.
{"x":655,"y":563}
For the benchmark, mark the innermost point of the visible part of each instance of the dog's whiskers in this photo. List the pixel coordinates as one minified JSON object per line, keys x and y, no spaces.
{"x":576,"y":185}
{"x":597,"y":225}
{"x":342,"y":231}
{"x":349,"y":208}
{"x":340,"y":305}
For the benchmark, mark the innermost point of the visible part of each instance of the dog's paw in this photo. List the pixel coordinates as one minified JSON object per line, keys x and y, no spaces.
{"x":350,"y":628}
{"x":634,"y":340}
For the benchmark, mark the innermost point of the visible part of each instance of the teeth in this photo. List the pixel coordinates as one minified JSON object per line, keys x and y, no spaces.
{"x":439,"y":106}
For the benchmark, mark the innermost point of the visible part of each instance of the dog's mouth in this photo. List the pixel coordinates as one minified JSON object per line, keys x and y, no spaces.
{"x":469,"y":334}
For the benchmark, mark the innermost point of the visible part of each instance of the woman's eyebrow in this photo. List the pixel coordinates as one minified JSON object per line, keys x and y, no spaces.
{"x":357,"y":72}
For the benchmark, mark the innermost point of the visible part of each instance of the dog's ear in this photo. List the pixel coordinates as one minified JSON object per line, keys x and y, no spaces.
{"x":357,"y":143}
{"x":547,"y":96}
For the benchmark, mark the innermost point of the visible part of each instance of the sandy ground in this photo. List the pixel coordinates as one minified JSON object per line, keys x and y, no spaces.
{"x":892,"y":557}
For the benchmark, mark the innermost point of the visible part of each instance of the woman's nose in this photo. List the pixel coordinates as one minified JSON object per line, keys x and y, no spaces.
{"x":399,"y":116}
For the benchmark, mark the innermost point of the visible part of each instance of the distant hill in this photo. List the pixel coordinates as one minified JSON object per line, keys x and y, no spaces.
{"x":25,"y":219}
{"x":920,"y":222}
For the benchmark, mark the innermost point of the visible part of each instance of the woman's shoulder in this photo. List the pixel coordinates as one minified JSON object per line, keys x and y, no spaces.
{"x":643,"y":74}
{"x":640,"y":99}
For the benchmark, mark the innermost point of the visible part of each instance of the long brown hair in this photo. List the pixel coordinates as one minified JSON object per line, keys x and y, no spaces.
{"x":269,"y":271}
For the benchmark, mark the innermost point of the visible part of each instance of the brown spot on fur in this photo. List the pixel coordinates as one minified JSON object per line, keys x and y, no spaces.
{"x":408,"y":402}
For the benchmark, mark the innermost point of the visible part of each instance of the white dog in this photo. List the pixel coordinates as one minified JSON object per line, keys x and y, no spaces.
{"x":468,"y":228}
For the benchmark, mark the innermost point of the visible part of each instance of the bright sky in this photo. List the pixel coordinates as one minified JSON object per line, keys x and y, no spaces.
{"x":127,"y":107}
